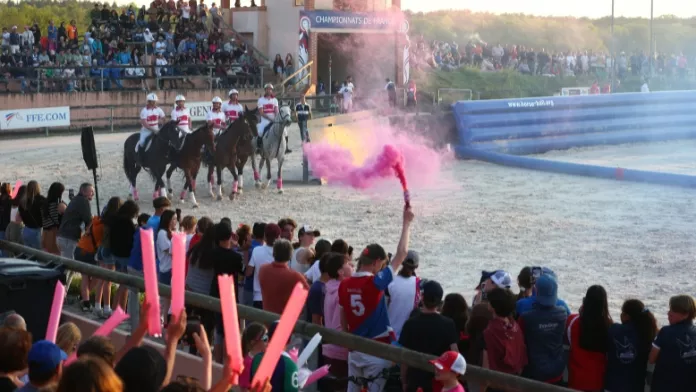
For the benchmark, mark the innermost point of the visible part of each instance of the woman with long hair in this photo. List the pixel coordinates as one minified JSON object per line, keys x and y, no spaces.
{"x":68,"y":337}
{"x":278,"y":68}
{"x":629,"y":346}
{"x":456,"y":308}
{"x":102,"y":288}
{"x":122,"y":231}
{"x":13,"y":231}
{"x":588,"y":336}
{"x":30,"y":211}
{"x":89,"y":374}
{"x":163,"y":246}
{"x":200,"y":272}
{"x":5,"y":209}
{"x":51,"y":213}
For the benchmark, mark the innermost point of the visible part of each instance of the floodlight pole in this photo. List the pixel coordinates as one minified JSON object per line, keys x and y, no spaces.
{"x":651,"y":40}
{"x":613,"y":50}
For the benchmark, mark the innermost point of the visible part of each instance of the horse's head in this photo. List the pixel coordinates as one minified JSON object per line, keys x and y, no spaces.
{"x":209,"y":136}
{"x":169,"y":131}
{"x":251,"y":119}
{"x":285,"y":115}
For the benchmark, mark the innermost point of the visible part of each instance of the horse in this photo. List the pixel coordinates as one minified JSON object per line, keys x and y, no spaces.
{"x":234,"y":147}
{"x":274,"y":145}
{"x":155,"y":161}
{"x":188,"y":159}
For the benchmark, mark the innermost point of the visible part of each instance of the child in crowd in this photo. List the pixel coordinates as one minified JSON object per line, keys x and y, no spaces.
{"x":448,"y":368}
{"x":142,"y":219}
{"x":254,"y":341}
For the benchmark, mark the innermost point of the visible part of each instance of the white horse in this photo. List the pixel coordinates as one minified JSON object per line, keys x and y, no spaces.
{"x":274,"y":145}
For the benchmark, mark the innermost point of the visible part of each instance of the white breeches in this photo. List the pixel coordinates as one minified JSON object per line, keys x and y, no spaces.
{"x":144,"y":133}
{"x":262,"y":125}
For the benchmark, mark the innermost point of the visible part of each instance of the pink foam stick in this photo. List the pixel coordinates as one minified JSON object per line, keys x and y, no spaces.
{"x":17,"y":185}
{"x":178,"y":272}
{"x":117,"y":317}
{"x":316,"y":375}
{"x":56,"y":310}
{"x":230,"y":320}
{"x":281,"y":335}
{"x":147,"y":244}
{"x":294,"y":353}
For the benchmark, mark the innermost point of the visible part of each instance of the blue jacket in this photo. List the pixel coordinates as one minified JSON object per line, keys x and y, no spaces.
{"x":544,"y":329}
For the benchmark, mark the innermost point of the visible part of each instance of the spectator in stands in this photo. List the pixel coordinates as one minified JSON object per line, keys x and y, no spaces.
{"x":15,"y":321}
{"x":629,"y":346}
{"x":544,"y":327}
{"x":588,"y":336}
{"x":526,"y":304}
{"x":525,"y":281}
{"x":254,"y":341}
{"x":334,"y":355}
{"x":88,"y":375}
{"x":315,"y":298}
{"x":78,"y":214}
{"x":490,"y":281}
{"x":504,"y":347}
{"x":100,"y":347}
{"x":68,"y":337}
{"x":674,"y":348}
{"x":277,"y":279}
{"x":278,"y":68}
{"x":287,"y":229}
{"x":14,"y":346}
{"x":427,"y":332}
{"x":30,"y":211}
{"x":13,"y":232}
{"x":45,"y":365}
{"x":455,"y":307}
{"x":102,"y":288}
{"x":303,"y":255}
{"x":262,"y":255}
{"x":403,"y":294}
{"x":121,"y":231}
{"x":321,"y":248}
{"x":5,"y":209}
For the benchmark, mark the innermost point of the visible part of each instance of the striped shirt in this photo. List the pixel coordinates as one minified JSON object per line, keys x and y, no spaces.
{"x":50,"y":217}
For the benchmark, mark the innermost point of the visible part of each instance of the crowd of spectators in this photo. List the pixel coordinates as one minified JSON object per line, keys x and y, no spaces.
{"x":449,"y":56}
{"x":127,"y":48}
{"x":377,"y":295}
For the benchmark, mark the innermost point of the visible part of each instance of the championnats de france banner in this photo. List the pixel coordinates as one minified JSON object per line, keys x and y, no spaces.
{"x":364,"y":21}
{"x":35,"y":118}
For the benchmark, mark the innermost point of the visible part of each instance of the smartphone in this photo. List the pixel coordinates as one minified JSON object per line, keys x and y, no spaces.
{"x":536,"y":272}
{"x":178,"y":214}
{"x":71,"y":194}
{"x":192,"y":326}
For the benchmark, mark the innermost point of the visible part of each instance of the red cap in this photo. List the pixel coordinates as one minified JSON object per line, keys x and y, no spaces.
{"x":450,"y":361}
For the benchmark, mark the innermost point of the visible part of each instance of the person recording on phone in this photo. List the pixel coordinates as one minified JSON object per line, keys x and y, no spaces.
{"x":488,"y":282}
{"x":526,"y":304}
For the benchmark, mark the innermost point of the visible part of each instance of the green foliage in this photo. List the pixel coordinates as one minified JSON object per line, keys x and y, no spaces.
{"x":672,"y":34}
{"x":26,"y":13}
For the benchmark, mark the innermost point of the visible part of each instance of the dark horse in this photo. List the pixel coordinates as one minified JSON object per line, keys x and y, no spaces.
{"x":234,"y":147}
{"x":188,"y":159}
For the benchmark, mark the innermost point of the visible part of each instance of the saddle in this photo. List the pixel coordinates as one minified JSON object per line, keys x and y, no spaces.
{"x":148,"y":144}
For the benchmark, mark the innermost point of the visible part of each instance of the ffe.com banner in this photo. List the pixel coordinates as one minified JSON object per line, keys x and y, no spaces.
{"x":35,"y":118}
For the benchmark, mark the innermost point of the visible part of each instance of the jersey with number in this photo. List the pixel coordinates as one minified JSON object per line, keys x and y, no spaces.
{"x":218,"y":119}
{"x":362,"y":298}
{"x":152,"y":116}
{"x":284,"y":378}
{"x":269,"y":106}
{"x":232,"y":111}
{"x":183,"y":116}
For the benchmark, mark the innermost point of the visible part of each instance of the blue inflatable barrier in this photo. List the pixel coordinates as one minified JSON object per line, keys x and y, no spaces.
{"x":538,"y":125}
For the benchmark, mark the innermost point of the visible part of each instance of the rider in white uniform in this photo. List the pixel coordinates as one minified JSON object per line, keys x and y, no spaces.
{"x":151,"y":117}
{"x":182,"y":114}
{"x":268,"y":109}
{"x":216,"y":117}
{"x":232,"y":109}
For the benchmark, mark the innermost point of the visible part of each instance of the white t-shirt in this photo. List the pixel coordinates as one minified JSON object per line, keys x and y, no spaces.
{"x":232,"y":111}
{"x":164,"y":251}
{"x":186,"y":11}
{"x":218,"y":119}
{"x":347,"y":91}
{"x":183,"y":116}
{"x":313,"y":274}
{"x":261,"y":256}
{"x":160,"y":47}
{"x":402,"y":301}
{"x":152,"y":116}
{"x":269,"y":106}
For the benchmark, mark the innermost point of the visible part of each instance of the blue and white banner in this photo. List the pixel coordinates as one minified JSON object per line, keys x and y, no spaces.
{"x":385,"y":22}
{"x":35,"y":118}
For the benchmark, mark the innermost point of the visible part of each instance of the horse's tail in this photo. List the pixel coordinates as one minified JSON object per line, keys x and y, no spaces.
{"x":130,"y":164}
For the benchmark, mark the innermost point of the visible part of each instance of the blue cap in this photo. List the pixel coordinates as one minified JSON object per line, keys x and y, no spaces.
{"x":546,"y":290}
{"x":45,"y":356}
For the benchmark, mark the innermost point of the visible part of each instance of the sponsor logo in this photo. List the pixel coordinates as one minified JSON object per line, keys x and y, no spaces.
{"x":532,"y":104}
{"x":12,"y":116}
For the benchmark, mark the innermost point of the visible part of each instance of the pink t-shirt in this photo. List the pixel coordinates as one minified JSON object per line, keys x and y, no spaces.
{"x":245,"y":377}
{"x":332,"y":319}
{"x":458,"y":388}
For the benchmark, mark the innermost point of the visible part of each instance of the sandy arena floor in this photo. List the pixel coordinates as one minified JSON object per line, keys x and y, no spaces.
{"x":635,"y":239}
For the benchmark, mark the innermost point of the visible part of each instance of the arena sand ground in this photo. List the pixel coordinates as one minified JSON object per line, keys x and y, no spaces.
{"x":636,"y":240}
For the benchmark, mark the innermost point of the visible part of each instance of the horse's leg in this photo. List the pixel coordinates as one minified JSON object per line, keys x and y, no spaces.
{"x":257,"y":177}
{"x":218,"y":169}
{"x":187,"y":185}
{"x":268,"y":173}
{"x":211,"y":179}
{"x":240,"y":174}
{"x":160,"y":189}
{"x":134,"y":188}
{"x":280,"y":174}
{"x":132,"y":169}
{"x":169,"y":178}
{"x":235,"y":183}
{"x":192,"y":186}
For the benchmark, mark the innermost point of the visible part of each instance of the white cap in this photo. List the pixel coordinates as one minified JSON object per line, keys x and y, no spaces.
{"x":152,"y":97}
{"x":502,"y":279}
{"x":217,"y":100}
{"x":179,"y":98}
{"x":233,"y":91}
{"x":268,"y":85}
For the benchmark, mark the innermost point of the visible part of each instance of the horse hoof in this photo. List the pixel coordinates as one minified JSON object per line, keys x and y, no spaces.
{"x":182,"y":201}
{"x":280,"y":191}
{"x":232,"y":196}
{"x":240,"y":191}
{"x":264,"y":186}
{"x":258,"y":185}
{"x":194,"y":206}
{"x":219,"y":198}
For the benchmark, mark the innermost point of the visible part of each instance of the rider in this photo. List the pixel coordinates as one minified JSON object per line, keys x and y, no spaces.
{"x":268,"y":109}
{"x":151,"y":117}
{"x":182,"y":115}
{"x":216,"y":117}
{"x":232,"y":109}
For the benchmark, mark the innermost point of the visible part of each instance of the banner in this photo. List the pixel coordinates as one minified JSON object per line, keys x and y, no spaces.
{"x":199,"y":109}
{"x":575,"y":91}
{"x":35,"y":118}
{"x":385,"y":22}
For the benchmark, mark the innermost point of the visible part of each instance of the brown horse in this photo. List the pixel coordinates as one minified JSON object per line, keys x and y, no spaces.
{"x":234,"y":147}
{"x":188,"y":158}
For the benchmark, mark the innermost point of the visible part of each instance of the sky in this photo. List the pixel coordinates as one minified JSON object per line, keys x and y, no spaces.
{"x":589,"y":8}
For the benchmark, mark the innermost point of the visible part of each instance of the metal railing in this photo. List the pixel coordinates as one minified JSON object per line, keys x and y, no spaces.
{"x":306,"y":67}
{"x":387,"y":352}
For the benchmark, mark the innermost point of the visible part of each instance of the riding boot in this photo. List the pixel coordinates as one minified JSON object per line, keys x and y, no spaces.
{"x":259,"y":144}
{"x":287,"y":146}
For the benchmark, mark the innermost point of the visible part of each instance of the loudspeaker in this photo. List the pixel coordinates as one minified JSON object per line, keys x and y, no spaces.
{"x":89,"y":150}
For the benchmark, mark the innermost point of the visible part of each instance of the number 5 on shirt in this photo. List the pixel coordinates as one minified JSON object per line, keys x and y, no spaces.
{"x":356,"y":305}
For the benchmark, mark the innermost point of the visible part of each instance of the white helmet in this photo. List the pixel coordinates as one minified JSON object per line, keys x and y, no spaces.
{"x":233,"y":91}
{"x":152,"y":97}
{"x":268,"y":85}
{"x":217,"y":100}
{"x":179,"y":98}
